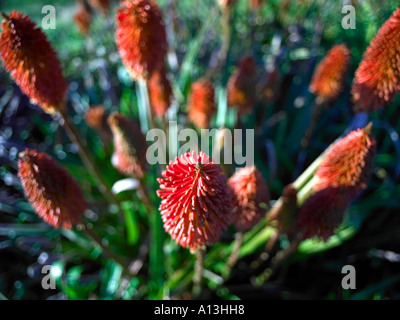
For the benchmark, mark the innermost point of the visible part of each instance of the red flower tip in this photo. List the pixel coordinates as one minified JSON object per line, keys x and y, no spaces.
{"x":241,"y":85}
{"x":53,"y":193}
{"x":249,"y":190}
{"x":323,"y":212}
{"x":96,"y":118}
{"x":160,"y":92}
{"x":83,"y":19}
{"x":201,"y":104}
{"x":377,"y":78}
{"x":101,"y":5}
{"x":141,"y":37}
{"x":129,"y":145}
{"x":329,"y":77}
{"x":349,"y":163}
{"x":32,"y":62}
{"x":196,"y":201}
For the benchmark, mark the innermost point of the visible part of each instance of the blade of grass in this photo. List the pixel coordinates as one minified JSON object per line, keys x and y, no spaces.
{"x":132,"y":228}
{"x":195,"y":45}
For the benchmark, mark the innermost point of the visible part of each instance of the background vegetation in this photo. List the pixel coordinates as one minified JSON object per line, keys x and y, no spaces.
{"x":289,"y":35}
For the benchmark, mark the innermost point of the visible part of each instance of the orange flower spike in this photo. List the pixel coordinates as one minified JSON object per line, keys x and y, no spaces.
{"x":329,"y":77}
{"x":53,"y":193}
{"x":250,"y":191}
{"x":201,"y":104}
{"x":160,"y":92}
{"x":141,"y":37}
{"x":377,"y":78}
{"x":195,"y":200}
{"x":32,"y":62}
{"x":96,"y":118}
{"x":256,"y":4}
{"x":241,"y":87}
{"x":129,"y":145}
{"x":83,"y":19}
{"x":349,"y":163}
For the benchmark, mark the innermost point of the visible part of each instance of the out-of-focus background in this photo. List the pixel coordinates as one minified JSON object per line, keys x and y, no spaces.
{"x":285,"y":37}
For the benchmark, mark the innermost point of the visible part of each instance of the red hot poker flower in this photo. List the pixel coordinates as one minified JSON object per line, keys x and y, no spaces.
{"x":329,"y":77}
{"x":241,"y":86}
{"x":32,"y":62}
{"x":196,"y":201}
{"x":101,"y":5}
{"x":323,"y":212}
{"x":83,"y":19}
{"x":141,"y":37}
{"x":349,"y":163}
{"x":344,"y":172}
{"x":201,"y":104}
{"x":96,"y":118}
{"x":160,"y":92}
{"x":377,"y":78}
{"x":256,"y":4}
{"x":249,"y":192}
{"x":51,"y":190}
{"x":129,"y":145}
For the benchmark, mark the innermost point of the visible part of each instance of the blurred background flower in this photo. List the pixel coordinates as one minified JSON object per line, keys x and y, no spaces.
{"x":142,"y":59}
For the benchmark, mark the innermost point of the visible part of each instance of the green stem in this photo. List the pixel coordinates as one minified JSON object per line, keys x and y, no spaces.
{"x":226,"y":38}
{"x":198,"y":271}
{"x":87,"y":159}
{"x":306,"y":191}
{"x":309,"y":172}
{"x":106,"y":250}
{"x":276,"y":262}
{"x":316,"y":114}
{"x":233,"y":258}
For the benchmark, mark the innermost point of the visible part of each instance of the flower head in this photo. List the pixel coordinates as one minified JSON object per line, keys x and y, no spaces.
{"x":96,"y":117}
{"x":196,"y":201}
{"x":323,"y":212}
{"x":51,"y":190}
{"x":83,"y":19}
{"x":349,"y":162}
{"x":241,"y":85}
{"x":32,"y":62}
{"x":342,"y":175}
{"x":329,"y":77}
{"x":256,"y":4}
{"x":201,"y":104}
{"x":250,"y":191}
{"x":377,"y":78}
{"x":141,"y":37}
{"x":129,"y":145}
{"x":160,"y":92}
{"x":271,"y":85}
{"x":101,"y":5}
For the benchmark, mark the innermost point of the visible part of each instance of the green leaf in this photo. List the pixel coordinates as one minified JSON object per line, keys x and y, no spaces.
{"x":132,"y":228}
{"x":375,"y":288}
